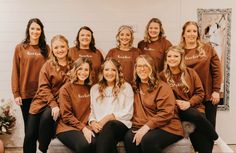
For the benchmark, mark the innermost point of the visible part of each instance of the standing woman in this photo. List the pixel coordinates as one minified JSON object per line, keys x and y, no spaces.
{"x":189,"y":94}
{"x":85,"y":47}
{"x":74,"y":101}
{"x":125,"y":53}
{"x":44,"y":109}
{"x":29,"y":57}
{"x":204,"y":60}
{"x":155,"y":43}
{"x":156,"y":124}
{"x":111,"y":107}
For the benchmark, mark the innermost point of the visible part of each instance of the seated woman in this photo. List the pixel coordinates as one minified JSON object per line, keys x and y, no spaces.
{"x":189,"y":94}
{"x":44,"y":109}
{"x":111,"y":107}
{"x":74,"y":101}
{"x":156,"y":124}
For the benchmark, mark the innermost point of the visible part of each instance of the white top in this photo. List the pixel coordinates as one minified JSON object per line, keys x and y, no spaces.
{"x":121,"y":106}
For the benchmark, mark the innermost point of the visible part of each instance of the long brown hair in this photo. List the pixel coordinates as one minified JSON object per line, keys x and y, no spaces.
{"x":118,"y":82}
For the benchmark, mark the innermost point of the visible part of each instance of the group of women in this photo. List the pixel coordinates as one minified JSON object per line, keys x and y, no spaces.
{"x":140,"y":95}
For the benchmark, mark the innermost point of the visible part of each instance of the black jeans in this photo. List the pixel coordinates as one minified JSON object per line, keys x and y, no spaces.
{"x":25,"y":110}
{"x":204,"y":135}
{"x":111,"y":133}
{"x":40,"y":127}
{"x":76,"y":141}
{"x":154,"y":141}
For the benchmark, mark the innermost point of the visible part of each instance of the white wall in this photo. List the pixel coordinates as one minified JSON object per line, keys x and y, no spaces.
{"x":104,"y":17}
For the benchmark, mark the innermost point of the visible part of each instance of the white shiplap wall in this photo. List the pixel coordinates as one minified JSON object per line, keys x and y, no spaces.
{"x":104,"y":17}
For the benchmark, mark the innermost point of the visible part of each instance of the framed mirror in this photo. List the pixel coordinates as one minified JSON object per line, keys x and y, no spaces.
{"x":215,"y":28}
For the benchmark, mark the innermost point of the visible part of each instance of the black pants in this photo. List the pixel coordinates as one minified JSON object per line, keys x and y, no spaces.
{"x":25,"y":110}
{"x":76,"y":141}
{"x":210,"y":111}
{"x":111,"y":133}
{"x":154,"y":141}
{"x":204,"y":135}
{"x":40,"y":127}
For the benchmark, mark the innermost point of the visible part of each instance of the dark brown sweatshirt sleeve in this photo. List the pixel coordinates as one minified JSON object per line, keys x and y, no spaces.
{"x":67,"y":115}
{"x":216,"y":71}
{"x":198,"y":94}
{"x":165,"y":104}
{"x":15,"y":74}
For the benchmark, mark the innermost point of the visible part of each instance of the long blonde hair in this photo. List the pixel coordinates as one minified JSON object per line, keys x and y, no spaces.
{"x":54,"y":58}
{"x":167,"y":72}
{"x":118,"y":82}
{"x":201,"y":52}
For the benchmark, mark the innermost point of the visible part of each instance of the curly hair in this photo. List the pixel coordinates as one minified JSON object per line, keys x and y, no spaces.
{"x":147,"y":37}
{"x":121,"y":28}
{"x":42,"y":40}
{"x":76,"y":65}
{"x":153,"y":76}
{"x":92,"y":43}
{"x":182,"y":67}
{"x":54,"y":58}
{"x":119,"y":82}
{"x":201,"y":52}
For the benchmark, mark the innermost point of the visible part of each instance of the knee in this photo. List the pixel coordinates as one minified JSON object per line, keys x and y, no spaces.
{"x":110,"y":124}
{"x":150,"y":147}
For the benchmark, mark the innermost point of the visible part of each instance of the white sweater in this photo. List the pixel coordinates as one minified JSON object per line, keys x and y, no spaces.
{"x":121,"y":106}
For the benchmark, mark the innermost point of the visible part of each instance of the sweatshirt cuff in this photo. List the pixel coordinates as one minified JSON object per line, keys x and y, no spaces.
{"x":53,"y":104}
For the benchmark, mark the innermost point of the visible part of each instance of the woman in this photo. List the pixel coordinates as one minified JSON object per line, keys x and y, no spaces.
{"x":29,"y":57}
{"x":44,"y":109}
{"x":125,"y":53}
{"x":111,"y":107}
{"x":155,"y":43}
{"x":74,"y":101}
{"x":189,"y":94}
{"x":85,"y":47}
{"x":156,"y":124}
{"x":204,"y":60}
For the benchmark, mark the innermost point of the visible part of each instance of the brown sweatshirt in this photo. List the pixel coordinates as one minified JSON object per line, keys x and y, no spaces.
{"x":207,"y":67}
{"x":196,"y":93}
{"x":74,"y":100}
{"x":157,"y":109}
{"x":156,"y":49}
{"x":50,"y":81}
{"x":27,"y":62}
{"x":126,"y":59}
{"x":96,"y":58}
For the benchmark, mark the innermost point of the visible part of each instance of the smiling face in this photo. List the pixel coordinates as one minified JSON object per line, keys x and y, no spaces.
{"x":59,"y":49}
{"x":143,"y":69}
{"x":190,"y":34}
{"x":34,"y":31}
{"x":83,"y":73}
{"x":125,"y":37}
{"x":173,"y":59}
{"x":110,"y":73}
{"x":154,"y":30}
{"x":85,"y":38}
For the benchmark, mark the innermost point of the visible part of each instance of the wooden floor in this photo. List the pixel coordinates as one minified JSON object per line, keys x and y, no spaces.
{"x":56,"y":149}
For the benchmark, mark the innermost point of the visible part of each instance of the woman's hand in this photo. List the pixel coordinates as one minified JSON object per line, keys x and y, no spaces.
{"x":105,"y":119}
{"x":139,"y":134}
{"x":88,"y":134}
{"x":18,"y":101}
{"x":55,"y":113}
{"x":215,"y":98}
{"x":95,"y":126}
{"x":183,"y":105}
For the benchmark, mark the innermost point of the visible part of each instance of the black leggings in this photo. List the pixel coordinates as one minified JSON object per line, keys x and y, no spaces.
{"x":111,"y":133}
{"x":154,"y":141}
{"x":76,"y":141}
{"x":204,"y":135}
{"x":211,"y":111}
{"x":40,"y":127}
{"x":25,"y":110}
